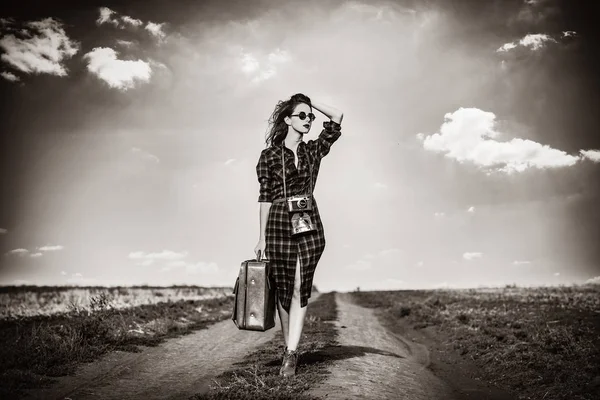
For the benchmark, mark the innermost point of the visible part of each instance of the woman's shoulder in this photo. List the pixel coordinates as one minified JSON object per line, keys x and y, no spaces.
{"x":269,"y":151}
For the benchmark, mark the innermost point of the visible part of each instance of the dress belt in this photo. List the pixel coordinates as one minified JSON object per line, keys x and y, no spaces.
{"x":279,"y":200}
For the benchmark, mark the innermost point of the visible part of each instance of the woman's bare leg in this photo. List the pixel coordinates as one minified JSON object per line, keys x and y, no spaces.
{"x":297,"y":313}
{"x":284,"y":319}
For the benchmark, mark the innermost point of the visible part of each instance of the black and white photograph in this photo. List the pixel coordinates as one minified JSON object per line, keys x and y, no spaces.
{"x":321,"y":199}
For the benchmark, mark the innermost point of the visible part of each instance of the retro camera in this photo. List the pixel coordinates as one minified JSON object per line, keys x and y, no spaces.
{"x":301,"y":223}
{"x":299,"y":203}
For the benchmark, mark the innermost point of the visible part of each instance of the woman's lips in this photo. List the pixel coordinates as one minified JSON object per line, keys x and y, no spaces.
{"x":306,"y":126}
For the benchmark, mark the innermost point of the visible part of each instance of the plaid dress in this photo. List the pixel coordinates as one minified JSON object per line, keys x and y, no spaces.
{"x":282,"y":249}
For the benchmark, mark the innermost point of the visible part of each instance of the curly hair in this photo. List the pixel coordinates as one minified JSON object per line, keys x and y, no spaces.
{"x":278,"y":129}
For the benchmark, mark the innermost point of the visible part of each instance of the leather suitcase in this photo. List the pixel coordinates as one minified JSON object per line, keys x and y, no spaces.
{"x":254,"y":303}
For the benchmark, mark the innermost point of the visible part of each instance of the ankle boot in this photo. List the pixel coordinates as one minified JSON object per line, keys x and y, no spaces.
{"x":290,"y":360}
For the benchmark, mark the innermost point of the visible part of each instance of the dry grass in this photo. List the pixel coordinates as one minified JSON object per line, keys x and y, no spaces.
{"x":27,"y":301}
{"x":256,"y":376}
{"x":539,"y":343}
{"x":39,"y":347}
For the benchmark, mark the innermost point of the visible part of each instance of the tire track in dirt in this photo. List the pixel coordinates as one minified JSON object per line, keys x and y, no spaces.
{"x":378,"y":364}
{"x":176,"y":369}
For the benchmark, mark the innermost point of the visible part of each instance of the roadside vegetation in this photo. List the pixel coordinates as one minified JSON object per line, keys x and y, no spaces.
{"x":538,"y":343}
{"x":36,"y":348}
{"x":257,"y":375}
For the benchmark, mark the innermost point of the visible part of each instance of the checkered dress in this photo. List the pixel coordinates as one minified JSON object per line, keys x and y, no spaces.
{"x":281,"y":248}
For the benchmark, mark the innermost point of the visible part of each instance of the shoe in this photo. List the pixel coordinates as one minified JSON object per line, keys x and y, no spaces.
{"x":290,"y":360}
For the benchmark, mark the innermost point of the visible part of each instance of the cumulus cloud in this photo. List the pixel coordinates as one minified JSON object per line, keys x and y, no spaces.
{"x":39,"y":47}
{"x":360,"y":265}
{"x":472,"y":256}
{"x":471,"y":209}
{"x":119,"y":74}
{"x":156,"y":30}
{"x":262,"y":68}
{"x":35,"y":255}
{"x":592,"y":155}
{"x":439,"y":214}
{"x":146,"y":259}
{"x":50,"y":248}
{"x":521,"y":262}
{"x":569,"y":33}
{"x":3,"y":231}
{"x":131,"y":21}
{"x":106,"y":17}
{"x":469,"y":135}
{"x":9,"y":76}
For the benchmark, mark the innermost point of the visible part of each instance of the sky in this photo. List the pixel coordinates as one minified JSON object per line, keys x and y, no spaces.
{"x":469,"y":155}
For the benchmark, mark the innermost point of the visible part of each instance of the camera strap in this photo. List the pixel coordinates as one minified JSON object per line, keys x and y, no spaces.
{"x":283,"y":165}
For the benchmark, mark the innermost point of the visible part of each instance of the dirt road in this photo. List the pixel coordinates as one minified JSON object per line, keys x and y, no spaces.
{"x":176,"y":369}
{"x":385,"y":366}
{"x":370,"y":363}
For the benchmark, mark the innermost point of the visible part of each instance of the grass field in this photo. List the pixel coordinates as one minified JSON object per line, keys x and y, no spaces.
{"x":23,"y":301}
{"x":38,"y":347}
{"x":538,"y":343}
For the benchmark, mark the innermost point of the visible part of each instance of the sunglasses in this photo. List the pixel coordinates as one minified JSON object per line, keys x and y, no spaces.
{"x":302,"y":115}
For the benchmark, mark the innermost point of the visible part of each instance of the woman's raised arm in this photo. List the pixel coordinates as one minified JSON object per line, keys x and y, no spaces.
{"x":332,"y":113}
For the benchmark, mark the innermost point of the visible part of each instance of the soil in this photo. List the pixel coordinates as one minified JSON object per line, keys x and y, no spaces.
{"x":175,"y":369}
{"x":374,"y":363}
{"x":392,"y":366}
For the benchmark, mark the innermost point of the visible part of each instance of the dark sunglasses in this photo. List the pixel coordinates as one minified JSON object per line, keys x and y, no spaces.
{"x":302,"y":115}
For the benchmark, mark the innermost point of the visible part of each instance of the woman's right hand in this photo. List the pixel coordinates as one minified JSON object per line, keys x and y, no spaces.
{"x":262,"y":244}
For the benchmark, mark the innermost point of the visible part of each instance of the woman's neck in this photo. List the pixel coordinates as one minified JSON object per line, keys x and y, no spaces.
{"x":293,"y":138}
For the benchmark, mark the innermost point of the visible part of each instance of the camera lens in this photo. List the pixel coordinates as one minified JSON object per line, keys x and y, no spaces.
{"x":302,"y":203}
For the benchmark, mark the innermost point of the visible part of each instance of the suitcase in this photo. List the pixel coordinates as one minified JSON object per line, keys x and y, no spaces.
{"x":254,"y":303}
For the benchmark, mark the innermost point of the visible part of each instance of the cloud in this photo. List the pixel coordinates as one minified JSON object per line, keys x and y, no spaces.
{"x":119,"y":74}
{"x":106,"y":17}
{"x":595,"y":280}
{"x":533,"y":41}
{"x":261,"y":68}
{"x":145,"y":155}
{"x":125,"y":43}
{"x":231,"y":160}
{"x":471,"y":209}
{"x":518,"y":262}
{"x":557,"y":274}
{"x":3,"y":231}
{"x":469,"y":135}
{"x":472,"y":256}
{"x":569,"y":33}
{"x":63,"y":273}
{"x":9,"y":76}
{"x":592,"y":155}
{"x":78,"y":279}
{"x":41,"y":47}
{"x":380,"y":185}
{"x":50,"y":248}
{"x":18,"y":252}
{"x":146,"y":259}
{"x":156,"y":30}
{"x":35,"y":255}
{"x":131,"y":21}
{"x":439,"y":214}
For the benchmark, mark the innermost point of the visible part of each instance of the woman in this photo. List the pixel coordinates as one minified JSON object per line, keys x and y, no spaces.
{"x":293,"y":258}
